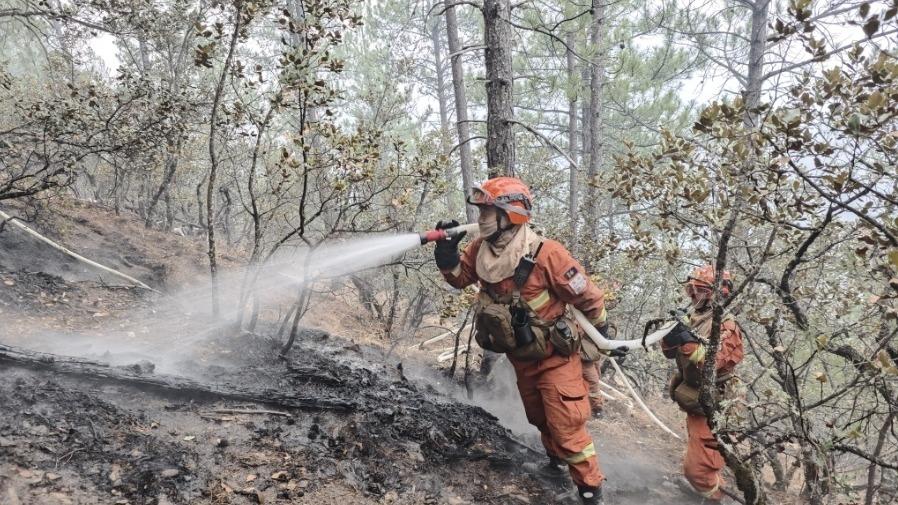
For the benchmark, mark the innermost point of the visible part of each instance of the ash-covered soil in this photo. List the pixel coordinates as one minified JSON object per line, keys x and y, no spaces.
{"x":71,"y":438}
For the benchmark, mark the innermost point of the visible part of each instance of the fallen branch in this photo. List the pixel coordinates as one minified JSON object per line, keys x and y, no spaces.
{"x":18,"y":224}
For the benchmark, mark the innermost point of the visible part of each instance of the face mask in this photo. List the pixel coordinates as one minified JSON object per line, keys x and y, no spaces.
{"x":492,"y":224}
{"x":488,"y":224}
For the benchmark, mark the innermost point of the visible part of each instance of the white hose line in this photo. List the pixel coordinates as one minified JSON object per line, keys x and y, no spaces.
{"x":608,"y":397}
{"x":446,"y":356}
{"x":437,"y":338}
{"x":642,"y":404}
{"x":608,"y":345}
{"x":471,"y":228}
{"x":604,"y":343}
{"x":622,"y":399}
{"x":15,"y":222}
{"x":611,"y":388}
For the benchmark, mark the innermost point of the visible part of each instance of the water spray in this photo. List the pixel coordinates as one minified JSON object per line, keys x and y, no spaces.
{"x":434,"y":235}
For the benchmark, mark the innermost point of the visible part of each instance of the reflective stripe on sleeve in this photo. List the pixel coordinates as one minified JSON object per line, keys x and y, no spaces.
{"x":587,"y":452}
{"x":540,"y":301}
{"x":698,"y":355}
{"x":603,"y":316}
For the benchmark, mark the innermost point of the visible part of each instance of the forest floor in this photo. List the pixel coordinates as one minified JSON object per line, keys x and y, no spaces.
{"x":401,"y":431}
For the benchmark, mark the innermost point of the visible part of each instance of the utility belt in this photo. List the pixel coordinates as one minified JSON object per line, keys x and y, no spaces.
{"x":506,"y":324}
{"x":687,"y":391}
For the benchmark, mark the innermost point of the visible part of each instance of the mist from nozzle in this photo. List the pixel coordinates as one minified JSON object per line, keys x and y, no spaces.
{"x":169,"y":331}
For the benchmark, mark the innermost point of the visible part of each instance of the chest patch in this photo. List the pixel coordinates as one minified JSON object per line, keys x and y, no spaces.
{"x":578,"y":283}
{"x":570,"y":273}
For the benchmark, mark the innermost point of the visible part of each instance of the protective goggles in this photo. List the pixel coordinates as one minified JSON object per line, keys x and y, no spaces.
{"x":480,"y":197}
{"x":698,"y":284}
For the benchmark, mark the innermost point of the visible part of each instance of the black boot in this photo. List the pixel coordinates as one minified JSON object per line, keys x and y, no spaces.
{"x":556,"y":464}
{"x":590,"y":495}
{"x":552,"y":472}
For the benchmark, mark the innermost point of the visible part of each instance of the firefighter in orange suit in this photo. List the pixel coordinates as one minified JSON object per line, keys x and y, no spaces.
{"x":703,"y":462}
{"x":592,"y":374}
{"x":526,"y":284}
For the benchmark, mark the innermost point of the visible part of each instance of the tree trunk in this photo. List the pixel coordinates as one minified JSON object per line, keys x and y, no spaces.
{"x":226,"y":214}
{"x":443,"y":102}
{"x":169,"y":211}
{"x":171,"y":164}
{"x":872,"y":488}
{"x":757,"y":46}
{"x":573,"y":186}
{"x":213,"y":158}
{"x":200,"y":215}
{"x":500,"y":156}
{"x":584,"y":115}
{"x":594,"y":125}
{"x":461,"y":109}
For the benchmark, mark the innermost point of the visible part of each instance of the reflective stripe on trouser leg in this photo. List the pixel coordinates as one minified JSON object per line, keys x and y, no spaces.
{"x":566,"y":404}
{"x":588,"y":452}
{"x":555,"y":400}
{"x":703,"y":463}
{"x":712,"y":493}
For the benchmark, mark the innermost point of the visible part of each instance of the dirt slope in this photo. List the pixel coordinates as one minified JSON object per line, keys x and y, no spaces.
{"x":162,"y":260}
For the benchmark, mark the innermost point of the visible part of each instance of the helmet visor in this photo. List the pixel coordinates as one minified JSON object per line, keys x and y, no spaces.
{"x":480,"y":197}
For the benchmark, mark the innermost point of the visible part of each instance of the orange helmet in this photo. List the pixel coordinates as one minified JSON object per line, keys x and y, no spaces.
{"x":507,"y":193}
{"x":702,"y":279}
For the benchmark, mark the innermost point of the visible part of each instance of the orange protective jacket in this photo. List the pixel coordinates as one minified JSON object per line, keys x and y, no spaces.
{"x":556,"y":280}
{"x":729,"y":354}
{"x":703,"y":462}
{"x":552,"y":390}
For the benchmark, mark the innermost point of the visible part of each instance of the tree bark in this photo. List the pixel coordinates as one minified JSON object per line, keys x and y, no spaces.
{"x":573,"y":186}
{"x":201,"y":215}
{"x":461,"y":109}
{"x":213,"y":157}
{"x":443,"y":102}
{"x":757,"y":46}
{"x":500,"y":155}
{"x":594,"y":125}
{"x":872,"y":488}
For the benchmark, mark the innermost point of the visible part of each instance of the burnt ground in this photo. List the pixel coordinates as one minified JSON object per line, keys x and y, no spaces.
{"x":68,"y":438}
{"x":82,"y":438}
{"x":408,"y":434}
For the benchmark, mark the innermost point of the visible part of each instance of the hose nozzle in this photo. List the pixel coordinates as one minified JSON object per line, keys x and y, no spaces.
{"x":434,"y":235}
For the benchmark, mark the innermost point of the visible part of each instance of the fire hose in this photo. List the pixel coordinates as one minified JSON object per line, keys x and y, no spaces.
{"x":607,"y":345}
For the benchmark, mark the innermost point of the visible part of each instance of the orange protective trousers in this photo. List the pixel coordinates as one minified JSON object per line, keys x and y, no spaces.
{"x":556,"y":402}
{"x":592,"y":374}
{"x":703,"y":462}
